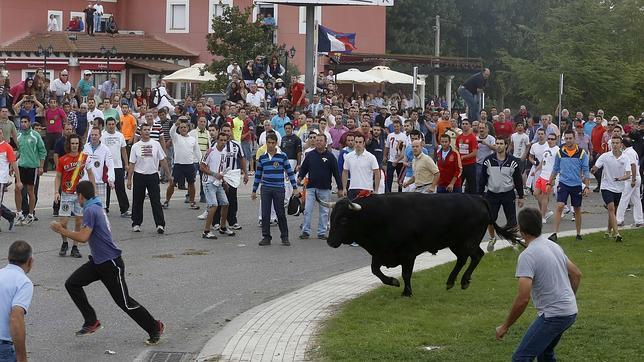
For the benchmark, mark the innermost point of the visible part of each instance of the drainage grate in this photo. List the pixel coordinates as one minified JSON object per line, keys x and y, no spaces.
{"x":158,"y":356}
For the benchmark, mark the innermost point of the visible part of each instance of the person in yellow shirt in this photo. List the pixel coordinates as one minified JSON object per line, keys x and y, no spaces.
{"x":238,"y":124}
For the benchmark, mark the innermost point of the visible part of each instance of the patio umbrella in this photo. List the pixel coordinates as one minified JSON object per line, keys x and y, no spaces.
{"x":391,"y":76}
{"x":191,"y":74}
{"x":354,"y":76}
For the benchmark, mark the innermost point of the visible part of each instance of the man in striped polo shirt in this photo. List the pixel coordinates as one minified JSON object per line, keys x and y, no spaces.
{"x":271,"y":167}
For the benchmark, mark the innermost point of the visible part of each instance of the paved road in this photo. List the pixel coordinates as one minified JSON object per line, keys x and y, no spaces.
{"x":194,"y":285}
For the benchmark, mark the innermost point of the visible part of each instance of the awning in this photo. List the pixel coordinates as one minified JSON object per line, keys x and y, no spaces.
{"x":157,"y":66}
{"x":100,"y":65}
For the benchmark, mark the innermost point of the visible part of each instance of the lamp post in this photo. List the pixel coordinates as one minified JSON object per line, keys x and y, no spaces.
{"x":41,"y":52}
{"x":108,"y":53}
{"x":286,"y":54}
{"x":467,"y":31}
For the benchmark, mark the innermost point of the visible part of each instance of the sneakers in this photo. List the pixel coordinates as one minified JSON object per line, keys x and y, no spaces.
{"x":55,"y":213}
{"x":235,"y":227}
{"x":618,"y":238}
{"x":226,"y":231}
{"x":265,"y":242}
{"x":126,"y":214}
{"x":544,"y":221}
{"x":634,"y":225}
{"x":304,"y":236}
{"x":87,"y":330}
{"x":75,"y":253}
{"x":259,"y":223}
{"x":136,"y":228}
{"x":354,"y":244}
{"x":216,"y":226}
{"x":490,"y":245}
{"x":19,"y":219}
{"x":322,"y":237}
{"x":194,"y":206}
{"x":29,"y":219}
{"x":548,"y":215}
{"x":553,"y":237}
{"x":285,"y":242}
{"x":208,"y":235}
{"x":63,"y":249}
{"x":166,"y":204}
{"x":156,"y":337}
{"x":578,"y":237}
{"x":203,"y":215}
{"x":160,"y":229}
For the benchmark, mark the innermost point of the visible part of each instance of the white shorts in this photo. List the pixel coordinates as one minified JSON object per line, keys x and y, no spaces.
{"x":69,"y":205}
{"x":101,"y":193}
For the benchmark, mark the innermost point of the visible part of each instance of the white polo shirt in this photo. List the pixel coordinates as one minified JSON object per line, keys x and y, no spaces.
{"x":361,"y":168}
{"x":613,"y":167}
{"x":94,"y":114}
{"x":16,"y":290}
{"x":146,"y":156}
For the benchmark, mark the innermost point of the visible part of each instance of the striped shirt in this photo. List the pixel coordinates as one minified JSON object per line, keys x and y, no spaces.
{"x":155,"y":131}
{"x":270,"y":171}
{"x":203,"y":139}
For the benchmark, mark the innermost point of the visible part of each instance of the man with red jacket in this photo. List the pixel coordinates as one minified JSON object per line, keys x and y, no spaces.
{"x":449,"y":167}
{"x":503,"y":127}
{"x":467,"y":146}
{"x":596,"y":136}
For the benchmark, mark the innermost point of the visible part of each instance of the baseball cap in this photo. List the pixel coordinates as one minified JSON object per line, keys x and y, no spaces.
{"x":87,"y":72}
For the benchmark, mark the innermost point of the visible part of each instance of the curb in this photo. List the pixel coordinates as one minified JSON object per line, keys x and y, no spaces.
{"x":282,"y":329}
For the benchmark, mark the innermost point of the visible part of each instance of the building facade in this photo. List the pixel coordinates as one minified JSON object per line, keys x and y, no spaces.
{"x":155,"y":37}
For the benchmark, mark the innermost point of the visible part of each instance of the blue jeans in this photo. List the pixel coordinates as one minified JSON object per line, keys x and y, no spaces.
{"x":97,"y":23}
{"x":443,"y":190}
{"x":542,"y":337}
{"x":324,"y":195}
{"x":7,"y":354}
{"x":472,"y":101}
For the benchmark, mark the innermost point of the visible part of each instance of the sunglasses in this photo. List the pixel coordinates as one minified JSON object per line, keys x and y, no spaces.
{"x":552,"y":139}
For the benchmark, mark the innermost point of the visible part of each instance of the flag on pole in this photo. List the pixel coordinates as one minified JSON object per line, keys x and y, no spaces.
{"x":331,"y":41}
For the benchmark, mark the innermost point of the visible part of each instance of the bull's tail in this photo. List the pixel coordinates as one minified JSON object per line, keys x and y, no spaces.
{"x":507,"y":232}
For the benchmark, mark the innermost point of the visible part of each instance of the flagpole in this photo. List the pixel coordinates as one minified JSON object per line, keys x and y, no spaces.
{"x":315,"y":62}
{"x":561,"y":82}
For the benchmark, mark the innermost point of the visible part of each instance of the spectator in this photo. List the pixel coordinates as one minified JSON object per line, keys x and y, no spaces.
{"x":75,"y":24}
{"x":52,"y":24}
{"x":61,"y":86}
{"x":109,"y":87}
{"x":89,"y":19}
{"x":110,"y":26}
{"x":98,"y":14}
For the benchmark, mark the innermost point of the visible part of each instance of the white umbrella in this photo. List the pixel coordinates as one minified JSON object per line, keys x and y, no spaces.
{"x":354,"y":75}
{"x":391,"y":76}
{"x":191,"y":74}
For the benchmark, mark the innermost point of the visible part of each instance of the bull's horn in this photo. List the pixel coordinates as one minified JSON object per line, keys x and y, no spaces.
{"x":326,"y":204}
{"x":355,"y":207}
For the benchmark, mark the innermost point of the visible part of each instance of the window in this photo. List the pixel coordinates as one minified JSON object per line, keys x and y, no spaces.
{"x":31,"y":73}
{"x":55,"y":20}
{"x":177,"y":16}
{"x":318,"y":18}
{"x":216,"y":8}
{"x":264,"y":10}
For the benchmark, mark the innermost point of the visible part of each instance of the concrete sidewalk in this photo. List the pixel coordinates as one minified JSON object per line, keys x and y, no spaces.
{"x":283,"y":329}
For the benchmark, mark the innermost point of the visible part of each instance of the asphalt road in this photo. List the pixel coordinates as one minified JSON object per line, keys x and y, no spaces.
{"x":194,"y":285}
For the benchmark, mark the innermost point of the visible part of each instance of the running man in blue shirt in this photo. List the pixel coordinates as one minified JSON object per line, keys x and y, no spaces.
{"x":105,"y":264}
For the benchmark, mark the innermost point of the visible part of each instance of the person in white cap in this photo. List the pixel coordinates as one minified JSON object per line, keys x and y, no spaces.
{"x":84,"y":85}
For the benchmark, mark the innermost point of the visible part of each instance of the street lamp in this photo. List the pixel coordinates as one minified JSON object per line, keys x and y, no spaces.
{"x":108,"y":53}
{"x":45,"y":53}
{"x":287,"y":54}
{"x":467,"y":31}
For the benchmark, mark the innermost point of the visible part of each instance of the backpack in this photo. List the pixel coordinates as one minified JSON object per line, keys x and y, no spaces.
{"x":156,"y":98}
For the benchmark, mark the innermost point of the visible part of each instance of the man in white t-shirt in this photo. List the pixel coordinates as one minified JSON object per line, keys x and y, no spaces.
{"x":363,"y":167}
{"x":186,"y":154}
{"x":212,"y":167}
{"x":268,"y":126}
{"x":394,"y":154}
{"x":520,"y":145}
{"x":145,"y":157}
{"x":535,"y":155}
{"x":616,"y":169}
{"x":631,"y":187}
{"x":92,"y":113}
{"x":544,"y":170}
{"x":254,"y":97}
{"x":100,"y":158}
{"x":115,"y":142}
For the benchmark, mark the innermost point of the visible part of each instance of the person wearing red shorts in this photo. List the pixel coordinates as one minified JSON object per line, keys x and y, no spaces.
{"x":544,"y":170}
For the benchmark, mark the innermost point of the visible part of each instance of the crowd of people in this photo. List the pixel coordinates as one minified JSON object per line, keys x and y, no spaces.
{"x":100,"y":142}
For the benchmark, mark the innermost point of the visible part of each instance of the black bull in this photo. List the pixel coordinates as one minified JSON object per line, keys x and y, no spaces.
{"x":395,"y":228}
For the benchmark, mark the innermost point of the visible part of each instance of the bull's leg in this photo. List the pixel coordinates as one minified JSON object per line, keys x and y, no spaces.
{"x":375,"y":269}
{"x":461,"y":259}
{"x":476,"y":259}
{"x":407,"y":269}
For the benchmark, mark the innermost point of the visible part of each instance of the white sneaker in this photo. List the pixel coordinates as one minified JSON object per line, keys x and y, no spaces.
{"x":29,"y":219}
{"x":20,"y":218}
{"x":566,"y":209}
{"x":203,"y":215}
{"x":136,"y":228}
{"x":544,"y":221}
{"x":548,"y":215}
{"x":490,"y":245}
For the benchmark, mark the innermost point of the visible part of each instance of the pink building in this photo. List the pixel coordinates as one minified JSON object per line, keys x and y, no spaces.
{"x":154,"y":40}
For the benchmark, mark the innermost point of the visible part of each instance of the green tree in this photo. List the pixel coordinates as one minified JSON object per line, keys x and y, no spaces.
{"x":235,"y":38}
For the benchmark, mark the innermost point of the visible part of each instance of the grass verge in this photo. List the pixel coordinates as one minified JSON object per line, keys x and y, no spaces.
{"x":382,"y":325}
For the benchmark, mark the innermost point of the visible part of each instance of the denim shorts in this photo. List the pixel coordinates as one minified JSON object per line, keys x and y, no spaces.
{"x":69,"y":205}
{"x":215,"y":195}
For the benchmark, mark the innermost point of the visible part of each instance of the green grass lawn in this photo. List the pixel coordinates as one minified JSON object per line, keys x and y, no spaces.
{"x":382,"y":325}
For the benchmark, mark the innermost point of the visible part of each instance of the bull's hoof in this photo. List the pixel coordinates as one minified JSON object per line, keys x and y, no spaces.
{"x":395,"y":282}
{"x":406,"y":294}
{"x":465,"y":285}
{"x":449,"y":286}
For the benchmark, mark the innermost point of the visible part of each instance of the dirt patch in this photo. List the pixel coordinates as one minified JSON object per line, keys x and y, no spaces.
{"x":195,"y":252}
{"x":163,"y":256}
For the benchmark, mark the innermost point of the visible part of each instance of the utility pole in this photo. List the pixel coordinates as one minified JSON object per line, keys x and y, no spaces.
{"x":437,"y":51}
